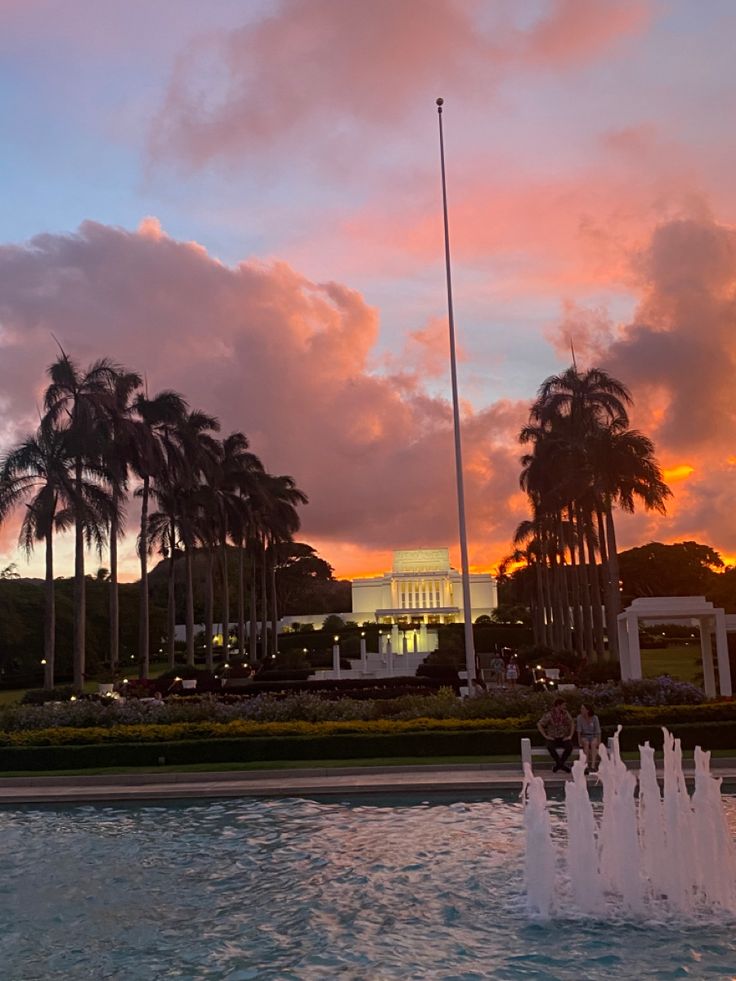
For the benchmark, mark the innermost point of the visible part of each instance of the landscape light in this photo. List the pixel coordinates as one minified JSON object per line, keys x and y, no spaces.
{"x":226,"y":665}
{"x":362,"y":633}
{"x":539,"y":667}
{"x":125,"y":681}
{"x":304,"y":650}
{"x":73,"y":698}
{"x":43,"y":660}
{"x":177,"y":679}
{"x":336,"y":638}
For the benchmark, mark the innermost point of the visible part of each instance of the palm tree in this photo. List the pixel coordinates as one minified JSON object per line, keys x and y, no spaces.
{"x":625,"y":471}
{"x":587,"y":399}
{"x":199,"y":449}
{"x":280,"y":522}
{"x":164,"y":534}
{"x":80,"y":403}
{"x":154,"y":451}
{"x":575,"y":474}
{"x":232,"y":482}
{"x":117,"y":454}
{"x":36,"y":473}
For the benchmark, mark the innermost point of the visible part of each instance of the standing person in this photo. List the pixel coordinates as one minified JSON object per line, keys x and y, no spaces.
{"x":498,"y":667}
{"x":557,"y":727}
{"x":589,"y":735}
{"x":512,"y":673}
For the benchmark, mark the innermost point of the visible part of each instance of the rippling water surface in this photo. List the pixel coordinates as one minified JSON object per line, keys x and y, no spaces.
{"x":299,"y":889}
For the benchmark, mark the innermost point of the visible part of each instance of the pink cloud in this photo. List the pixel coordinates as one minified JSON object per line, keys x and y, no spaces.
{"x":272,"y":353}
{"x":288,"y":361}
{"x":678,"y":356}
{"x":321,"y":66}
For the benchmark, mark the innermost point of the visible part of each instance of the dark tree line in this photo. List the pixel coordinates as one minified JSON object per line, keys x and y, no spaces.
{"x":101,"y":438}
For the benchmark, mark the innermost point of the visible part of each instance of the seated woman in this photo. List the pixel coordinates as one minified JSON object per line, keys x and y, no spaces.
{"x":558,"y":728}
{"x":589,"y":735}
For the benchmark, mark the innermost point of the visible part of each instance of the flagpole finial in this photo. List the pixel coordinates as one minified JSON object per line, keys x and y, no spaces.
{"x":440,"y":103}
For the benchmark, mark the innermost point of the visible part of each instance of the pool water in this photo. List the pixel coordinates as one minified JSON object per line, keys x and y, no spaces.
{"x":299,"y":889}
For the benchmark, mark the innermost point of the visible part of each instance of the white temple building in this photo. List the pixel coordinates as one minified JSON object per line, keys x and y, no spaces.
{"x":421,"y":588}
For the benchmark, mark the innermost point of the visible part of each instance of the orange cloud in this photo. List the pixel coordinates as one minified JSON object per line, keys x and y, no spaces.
{"x":681,"y":472}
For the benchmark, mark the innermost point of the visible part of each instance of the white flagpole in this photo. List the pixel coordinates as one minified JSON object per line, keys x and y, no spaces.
{"x":468,"y":621}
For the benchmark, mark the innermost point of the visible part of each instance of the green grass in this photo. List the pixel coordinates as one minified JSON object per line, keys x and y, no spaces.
{"x":14,"y":695}
{"x":681,"y":662}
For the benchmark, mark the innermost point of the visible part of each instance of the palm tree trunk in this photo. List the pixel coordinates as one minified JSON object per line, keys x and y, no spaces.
{"x":539,"y":626}
{"x":584,"y":588}
{"x":143,"y":652}
{"x":241,"y":599}
{"x":114,"y":599}
{"x":80,"y":606}
{"x":595,"y":591}
{"x":253,"y":622}
{"x":548,"y":619}
{"x":564,"y":585}
{"x":190,"y":605}
{"x":171,"y":605}
{"x":225,"y":601}
{"x":264,"y":604}
{"x":274,"y":606}
{"x":557,"y":631}
{"x":611,"y":626}
{"x":575,"y":581}
{"x":209,"y":606}
{"x":614,"y":573}
{"x":49,"y":625}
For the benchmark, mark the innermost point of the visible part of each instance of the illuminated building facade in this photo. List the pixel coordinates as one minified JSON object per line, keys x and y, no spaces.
{"x":422,"y":588}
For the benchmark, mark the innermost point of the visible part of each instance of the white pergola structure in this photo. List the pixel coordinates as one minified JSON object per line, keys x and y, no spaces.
{"x":664,"y":609}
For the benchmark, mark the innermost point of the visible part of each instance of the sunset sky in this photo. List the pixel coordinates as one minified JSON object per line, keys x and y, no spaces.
{"x":241,"y":199}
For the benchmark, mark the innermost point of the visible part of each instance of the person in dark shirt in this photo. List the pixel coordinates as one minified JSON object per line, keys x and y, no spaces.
{"x":558,"y":727}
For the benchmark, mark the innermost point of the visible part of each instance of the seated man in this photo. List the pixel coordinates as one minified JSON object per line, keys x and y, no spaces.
{"x":557,"y":727}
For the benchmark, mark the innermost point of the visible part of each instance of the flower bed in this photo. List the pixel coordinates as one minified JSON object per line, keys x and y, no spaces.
{"x":315,"y":707}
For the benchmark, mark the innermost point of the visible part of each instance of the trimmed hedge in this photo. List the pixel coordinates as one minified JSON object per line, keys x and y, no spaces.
{"x":437,"y":741}
{"x":357,"y":688}
{"x":244,"y":729}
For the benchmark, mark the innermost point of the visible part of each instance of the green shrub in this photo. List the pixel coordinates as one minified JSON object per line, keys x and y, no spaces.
{"x":461,"y":740}
{"x":40,"y":696}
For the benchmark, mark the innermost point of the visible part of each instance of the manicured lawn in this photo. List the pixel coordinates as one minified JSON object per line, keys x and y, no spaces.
{"x":682,"y":663}
{"x":11,"y":695}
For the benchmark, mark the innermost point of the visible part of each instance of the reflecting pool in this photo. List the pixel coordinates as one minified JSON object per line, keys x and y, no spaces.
{"x":299,"y":889}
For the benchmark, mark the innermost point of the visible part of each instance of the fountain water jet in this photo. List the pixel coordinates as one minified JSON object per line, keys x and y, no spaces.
{"x":539,"y":863}
{"x":666,"y":852}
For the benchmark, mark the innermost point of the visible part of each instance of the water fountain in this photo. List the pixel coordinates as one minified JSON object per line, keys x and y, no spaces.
{"x":665,"y":853}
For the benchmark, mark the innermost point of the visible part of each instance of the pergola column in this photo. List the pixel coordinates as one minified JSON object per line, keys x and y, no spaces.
{"x":724,"y":665}
{"x":632,"y":629}
{"x":623,"y":647}
{"x":706,"y":653}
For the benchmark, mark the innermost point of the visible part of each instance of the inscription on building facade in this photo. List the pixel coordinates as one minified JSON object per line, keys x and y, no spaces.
{"x":422,"y":560}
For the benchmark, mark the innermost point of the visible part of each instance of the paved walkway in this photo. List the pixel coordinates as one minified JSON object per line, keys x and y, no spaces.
{"x":330,"y":782}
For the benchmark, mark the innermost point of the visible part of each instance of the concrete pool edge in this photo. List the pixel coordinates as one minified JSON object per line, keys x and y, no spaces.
{"x":323,"y":782}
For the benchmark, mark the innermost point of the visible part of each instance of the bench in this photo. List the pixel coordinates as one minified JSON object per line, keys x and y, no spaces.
{"x":527,"y":751}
